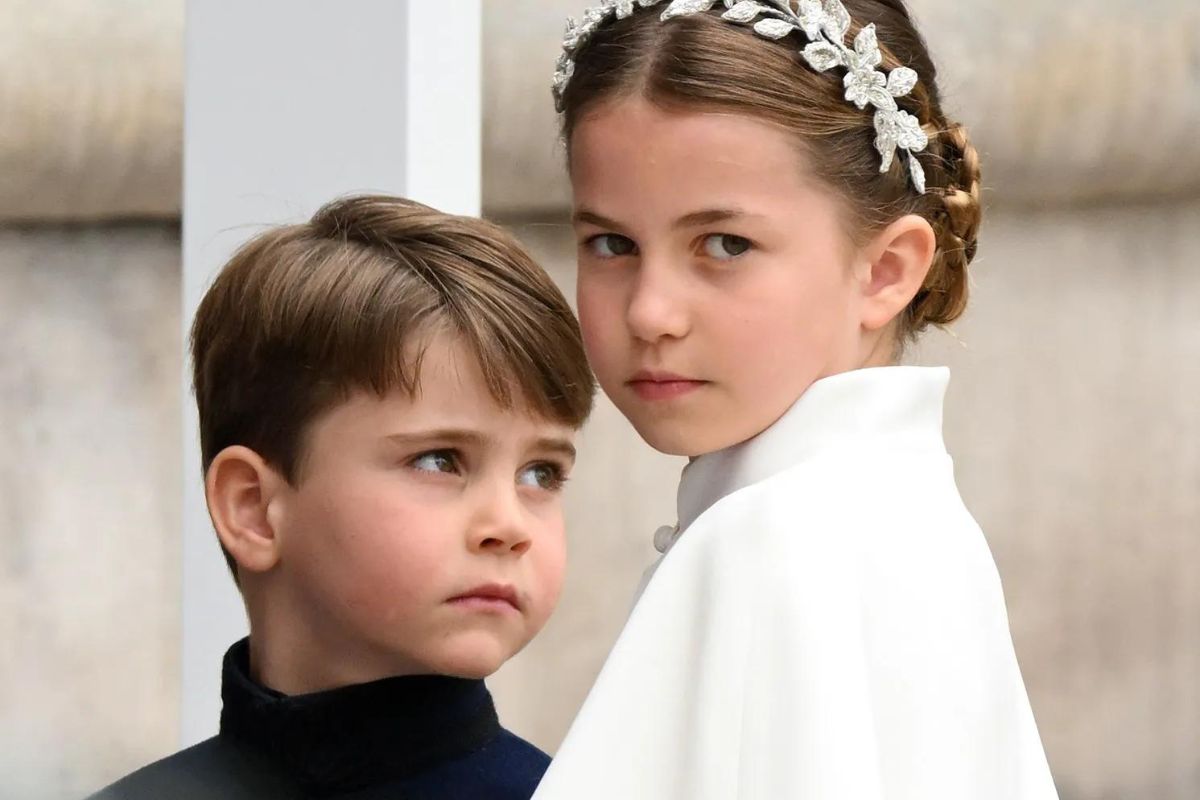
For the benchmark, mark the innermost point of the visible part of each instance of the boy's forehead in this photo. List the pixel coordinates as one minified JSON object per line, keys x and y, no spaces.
{"x":470,"y":404}
{"x":449,"y":391}
{"x":367,"y":419}
{"x":449,"y":377}
{"x":444,"y":390}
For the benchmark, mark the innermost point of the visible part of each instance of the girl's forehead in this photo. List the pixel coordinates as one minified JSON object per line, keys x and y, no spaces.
{"x":635,"y":152}
{"x":646,"y":126}
{"x":636,"y":132}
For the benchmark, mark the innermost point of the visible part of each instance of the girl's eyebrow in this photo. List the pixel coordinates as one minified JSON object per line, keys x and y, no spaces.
{"x":589,"y":217}
{"x":707,"y":216}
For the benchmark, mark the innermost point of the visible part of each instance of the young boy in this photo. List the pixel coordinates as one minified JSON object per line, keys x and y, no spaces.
{"x":388,"y":397}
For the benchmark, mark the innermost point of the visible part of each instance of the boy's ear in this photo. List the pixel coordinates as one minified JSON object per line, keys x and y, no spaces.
{"x":895,"y":263}
{"x":242,"y":492}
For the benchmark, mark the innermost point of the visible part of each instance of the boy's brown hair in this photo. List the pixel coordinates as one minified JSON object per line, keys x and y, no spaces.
{"x":303,"y":315}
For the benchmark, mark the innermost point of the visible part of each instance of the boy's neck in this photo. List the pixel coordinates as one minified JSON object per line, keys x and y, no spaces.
{"x":296,"y":653}
{"x":295,"y":667}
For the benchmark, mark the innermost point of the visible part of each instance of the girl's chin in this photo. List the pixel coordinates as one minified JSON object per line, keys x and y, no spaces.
{"x":673,"y":440}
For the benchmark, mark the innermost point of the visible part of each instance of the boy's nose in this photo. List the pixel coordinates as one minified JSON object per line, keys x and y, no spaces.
{"x":499,"y":526}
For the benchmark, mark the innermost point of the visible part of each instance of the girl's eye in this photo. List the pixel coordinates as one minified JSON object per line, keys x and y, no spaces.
{"x":725,"y":246}
{"x":543,"y":475}
{"x":436,"y":461}
{"x":611,"y":245}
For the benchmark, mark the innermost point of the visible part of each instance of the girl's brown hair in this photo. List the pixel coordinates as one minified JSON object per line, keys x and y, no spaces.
{"x":702,"y":62}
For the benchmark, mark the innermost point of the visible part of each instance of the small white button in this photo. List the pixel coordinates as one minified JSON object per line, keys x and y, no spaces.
{"x":664,"y":537}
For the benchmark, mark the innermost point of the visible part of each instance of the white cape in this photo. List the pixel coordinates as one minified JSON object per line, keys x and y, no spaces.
{"x":828,"y":625}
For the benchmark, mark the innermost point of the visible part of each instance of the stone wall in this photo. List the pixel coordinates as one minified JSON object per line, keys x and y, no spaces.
{"x":1072,"y":411}
{"x":89,"y":503}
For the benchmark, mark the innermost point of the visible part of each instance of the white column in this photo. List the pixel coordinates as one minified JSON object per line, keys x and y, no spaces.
{"x":290,"y":103}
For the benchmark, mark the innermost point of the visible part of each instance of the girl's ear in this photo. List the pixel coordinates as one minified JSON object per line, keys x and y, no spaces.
{"x":244,"y":494}
{"x":895,"y":263}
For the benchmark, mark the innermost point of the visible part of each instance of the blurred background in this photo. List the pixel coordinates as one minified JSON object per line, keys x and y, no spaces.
{"x":1072,"y":412}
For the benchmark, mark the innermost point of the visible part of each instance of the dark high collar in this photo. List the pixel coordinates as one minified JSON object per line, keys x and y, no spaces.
{"x":355,"y":736}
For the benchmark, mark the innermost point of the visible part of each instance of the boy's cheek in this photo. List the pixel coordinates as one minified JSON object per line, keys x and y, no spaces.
{"x":551,"y":572}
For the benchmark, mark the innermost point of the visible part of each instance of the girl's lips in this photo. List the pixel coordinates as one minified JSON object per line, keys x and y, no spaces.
{"x":663,"y":388}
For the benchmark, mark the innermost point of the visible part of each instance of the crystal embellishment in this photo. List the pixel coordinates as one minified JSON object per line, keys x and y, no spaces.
{"x":825,"y":23}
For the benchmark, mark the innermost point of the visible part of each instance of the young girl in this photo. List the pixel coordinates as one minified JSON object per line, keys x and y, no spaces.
{"x":770,"y":202}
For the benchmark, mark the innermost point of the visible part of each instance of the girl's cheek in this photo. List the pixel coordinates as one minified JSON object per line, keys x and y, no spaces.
{"x":594,"y":307}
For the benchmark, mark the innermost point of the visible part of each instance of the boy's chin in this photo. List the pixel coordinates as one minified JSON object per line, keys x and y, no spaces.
{"x":473,"y":658}
{"x":477,"y":671}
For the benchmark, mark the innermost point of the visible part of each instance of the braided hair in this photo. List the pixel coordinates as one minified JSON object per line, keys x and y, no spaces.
{"x":699,"y":61}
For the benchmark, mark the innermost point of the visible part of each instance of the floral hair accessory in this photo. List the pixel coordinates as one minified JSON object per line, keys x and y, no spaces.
{"x":826,"y":25}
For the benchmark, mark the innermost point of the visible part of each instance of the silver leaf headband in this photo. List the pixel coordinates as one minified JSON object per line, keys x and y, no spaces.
{"x":826,"y":25}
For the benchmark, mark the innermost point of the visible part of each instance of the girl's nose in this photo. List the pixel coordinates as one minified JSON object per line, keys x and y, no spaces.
{"x":656,"y":306}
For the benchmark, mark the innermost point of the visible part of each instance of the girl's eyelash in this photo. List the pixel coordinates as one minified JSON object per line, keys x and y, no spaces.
{"x":628,"y":247}
{"x":747,"y":245}
{"x":593,"y":242}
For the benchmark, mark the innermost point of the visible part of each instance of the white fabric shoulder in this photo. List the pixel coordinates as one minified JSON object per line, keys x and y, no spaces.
{"x":797,"y":642}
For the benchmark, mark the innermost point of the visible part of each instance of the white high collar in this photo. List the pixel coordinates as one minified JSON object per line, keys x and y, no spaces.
{"x":882,"y":406}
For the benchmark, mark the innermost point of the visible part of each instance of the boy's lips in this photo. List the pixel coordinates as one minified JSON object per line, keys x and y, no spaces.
{"x":655,"y":385}
{"x":489,"y":597}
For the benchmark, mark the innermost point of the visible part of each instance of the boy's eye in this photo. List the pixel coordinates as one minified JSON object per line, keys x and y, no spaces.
{"x":543,"y":475}
{"x":436,"y":461}
{"x":725,"y":246}
{"x":611,"y":245}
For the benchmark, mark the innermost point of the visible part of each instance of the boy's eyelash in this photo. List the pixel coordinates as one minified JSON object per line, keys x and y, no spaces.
{"x":451,"y":454}
{"x":560,"y":473}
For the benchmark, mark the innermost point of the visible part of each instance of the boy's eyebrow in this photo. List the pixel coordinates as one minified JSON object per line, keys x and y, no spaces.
{"x":553,"y":444}
{"x":450,"y":435}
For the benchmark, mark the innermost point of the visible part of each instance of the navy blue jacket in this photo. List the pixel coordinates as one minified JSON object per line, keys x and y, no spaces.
{"x":409,"y":738}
